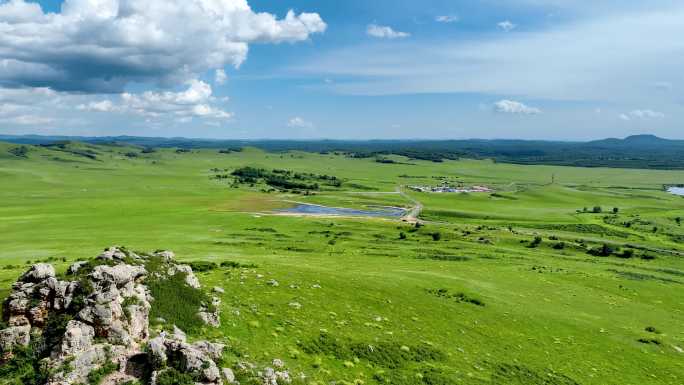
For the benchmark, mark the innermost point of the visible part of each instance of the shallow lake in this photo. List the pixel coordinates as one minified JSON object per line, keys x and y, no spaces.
{"x":325,"y":210}
{"x":676,"y":190}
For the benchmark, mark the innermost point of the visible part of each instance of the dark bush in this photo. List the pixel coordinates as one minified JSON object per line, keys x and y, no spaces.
{"x":19,"y":152}
{"x":603,"y":251}
{"x":237,"y":265}
{"x":172,"y":376}
{"x":627,"y":253}
{"x":203,"y":266}
{"x":536,"y":242}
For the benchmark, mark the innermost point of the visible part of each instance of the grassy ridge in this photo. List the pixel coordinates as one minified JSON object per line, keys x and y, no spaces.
{"x":551,"y":316}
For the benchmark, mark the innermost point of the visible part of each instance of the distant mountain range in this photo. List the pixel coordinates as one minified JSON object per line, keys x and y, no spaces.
{"x":630,"y":141}
{"x":638,"y":151}
{"x":647,"y":141}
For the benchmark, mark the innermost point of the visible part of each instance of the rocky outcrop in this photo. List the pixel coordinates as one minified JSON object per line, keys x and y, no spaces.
{"x":97,"y":318}
{"x":197,"y":359}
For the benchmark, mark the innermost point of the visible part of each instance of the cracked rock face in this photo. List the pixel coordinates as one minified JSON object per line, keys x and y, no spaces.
{"x":100,"y":318}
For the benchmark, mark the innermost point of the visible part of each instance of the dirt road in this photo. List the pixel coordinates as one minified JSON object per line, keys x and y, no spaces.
{"x":412,"y":216}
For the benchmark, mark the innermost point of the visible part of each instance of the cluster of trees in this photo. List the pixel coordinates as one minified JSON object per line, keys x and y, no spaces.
{"x":20,"y":151}
{"x":284,"y":179}
{"x":230,"y":150}
{"x":598,"y":210}
{"x":67,"y":147}
{"x":606,"y":250}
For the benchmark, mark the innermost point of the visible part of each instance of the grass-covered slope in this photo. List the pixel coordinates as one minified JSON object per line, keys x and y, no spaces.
{"x":507,"y":293}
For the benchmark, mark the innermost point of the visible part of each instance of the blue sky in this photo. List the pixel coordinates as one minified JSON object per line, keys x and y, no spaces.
{"x":537,"y":69}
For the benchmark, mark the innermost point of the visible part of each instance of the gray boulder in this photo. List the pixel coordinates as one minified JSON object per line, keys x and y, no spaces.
{"x":228,"y":375}
{"x":118,"y":274}
{"x":190,"y":278}
{"x":75,"y":267}
{"x":38,"y":273}
{"x":78,"y":338}
{"x":14,"y":336}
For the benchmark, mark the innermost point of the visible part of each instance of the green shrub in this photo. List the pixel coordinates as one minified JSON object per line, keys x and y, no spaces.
{"x":172,"y":376}
{"x":96,"y":376}
{"x":24,"y":368}
{"x":627,"y":253}
{"x":237,"y":265}
{"x":535,"y":242}
{"x":203,"y":266}
{"x":459,"y":297}
{"x":19,"y":152}
{"x":176,"y":302}
{"x":604,"y":250}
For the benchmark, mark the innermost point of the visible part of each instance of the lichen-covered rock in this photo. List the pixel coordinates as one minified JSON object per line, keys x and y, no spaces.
{"x":78,"y":338}
{"x":12,"y":337}
{"x":118,"y":274}
{"x":38,"y":272}
{"x":210,"y":315}
{"x":76,"y":266}
{"x":167,"y":255}
{"x":228,"y":375}
{"x":190,"y":278}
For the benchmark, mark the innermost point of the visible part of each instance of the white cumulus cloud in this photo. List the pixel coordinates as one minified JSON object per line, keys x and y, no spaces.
{"x":513,"y":107}
{"x":642,"y":115}
{"x":506,"y":25}
{"x":194,"y":102}
{"x":220,"y":76}
{"x":385,"y":32}
{"x":101,"y":106}
{"x":103,"y":45}
{"x":447,"y":19}
{"x":298,"y":122}
{"x":27,"y":120}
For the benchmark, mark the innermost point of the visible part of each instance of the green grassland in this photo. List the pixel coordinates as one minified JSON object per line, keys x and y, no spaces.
{"x":381,"y":301}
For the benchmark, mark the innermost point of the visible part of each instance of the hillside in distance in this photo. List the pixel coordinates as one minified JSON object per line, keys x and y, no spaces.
{"x":638,"y":151}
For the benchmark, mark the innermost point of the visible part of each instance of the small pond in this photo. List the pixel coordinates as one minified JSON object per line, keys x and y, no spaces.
{"x":676,"y":190}
{"x":307,"y":209}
